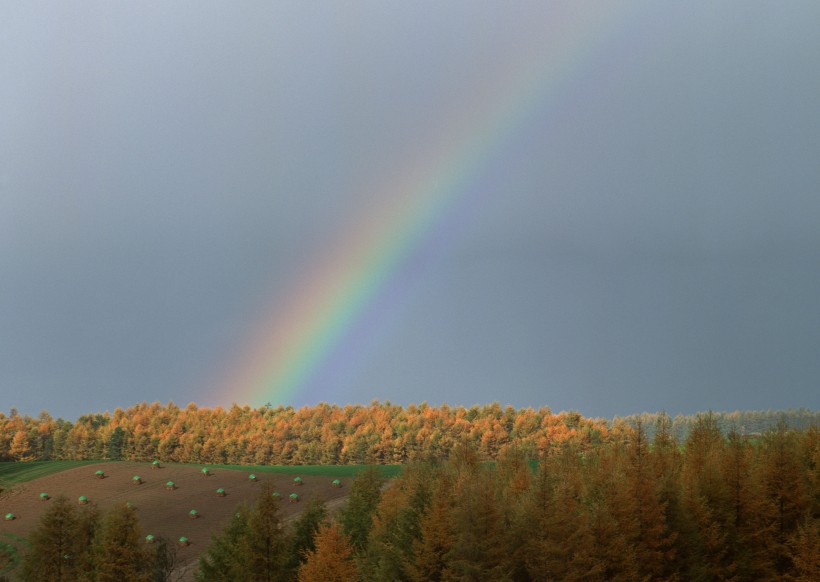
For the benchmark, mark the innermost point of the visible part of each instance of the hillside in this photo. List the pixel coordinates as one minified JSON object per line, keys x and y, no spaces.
{"x":161,"y":511}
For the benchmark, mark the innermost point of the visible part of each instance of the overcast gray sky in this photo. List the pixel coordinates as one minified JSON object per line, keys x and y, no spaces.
{"x":642,"y":235}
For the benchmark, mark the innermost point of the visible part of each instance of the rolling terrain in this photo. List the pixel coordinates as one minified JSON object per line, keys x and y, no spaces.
{"x":162,"y":512}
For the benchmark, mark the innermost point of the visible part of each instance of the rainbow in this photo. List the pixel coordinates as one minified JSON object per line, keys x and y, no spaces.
{"x":283,"y":359}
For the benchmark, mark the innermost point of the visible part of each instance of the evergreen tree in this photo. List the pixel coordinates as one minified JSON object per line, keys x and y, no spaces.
{"x":222,"y":562}
{"x":357,"y":516}
{"x":120,"y":553}
{"x":706,"y":500}
{"x":809,"y":449}
{"x":666,"y":462}
{"x":785,"y":489}
{"x":613,"y":519}
{"x":54,"y":545}
{"x":436,"y":534}
{"x":804,"y":551}
{"x":643,"y":513}
{"x":747,"y":532}
{"x":396,"y":525}
{"x":253,"y":547}
{"x":332,"y":560}
{"x":479,"y":546}
{"x":115,"y":444}
{"x":264,"y":547}
{"x":88,"y":528}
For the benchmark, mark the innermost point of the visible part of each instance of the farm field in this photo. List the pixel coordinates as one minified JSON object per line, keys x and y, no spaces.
{"x":162,"y":512}
{"x":12,"y":473}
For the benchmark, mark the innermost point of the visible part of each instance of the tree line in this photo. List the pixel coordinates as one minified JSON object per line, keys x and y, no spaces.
{"x":379,"y":433}
{"x":325,"y":434}
{"x":748,"y":423}
{"x":713,"y":507}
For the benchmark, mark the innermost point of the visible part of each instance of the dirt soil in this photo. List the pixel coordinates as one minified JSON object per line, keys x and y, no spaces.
{"x":162,"y":512}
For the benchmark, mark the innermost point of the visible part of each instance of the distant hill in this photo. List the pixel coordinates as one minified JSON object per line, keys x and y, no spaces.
{"x":746,"y":423}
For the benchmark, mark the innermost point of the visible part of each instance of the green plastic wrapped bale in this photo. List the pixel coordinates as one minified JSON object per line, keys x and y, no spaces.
{"x":149,"y":539}
{"x":220,"y":492}
{"x":10,"y":517}
{"x":170,"y":485}
{"x":44,"y":496}
{"x":183,"y":541}
{"x":83,"y":500}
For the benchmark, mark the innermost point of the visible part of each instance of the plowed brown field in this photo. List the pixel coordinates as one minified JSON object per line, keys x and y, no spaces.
{"x":162,"y":512}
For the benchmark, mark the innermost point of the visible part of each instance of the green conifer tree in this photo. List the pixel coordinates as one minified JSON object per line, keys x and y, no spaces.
{"x":222,"y":562}
{"x":357,"y":516}
{"x":54,"y":545}
{"x":264,"y":548}
{"x":120,"y":553}
{"x":435,"y":532}
{"x":396,"y":525}
{"x":479,"y":546}
{"x":88,"y":528}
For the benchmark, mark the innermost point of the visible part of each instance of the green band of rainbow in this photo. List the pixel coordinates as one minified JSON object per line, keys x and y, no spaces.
{"x":284,"y":355}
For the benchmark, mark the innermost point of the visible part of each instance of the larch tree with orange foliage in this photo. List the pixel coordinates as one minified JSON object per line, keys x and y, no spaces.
{"x":332,"y":560}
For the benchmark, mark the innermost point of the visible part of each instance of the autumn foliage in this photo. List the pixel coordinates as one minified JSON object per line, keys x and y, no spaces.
{"x":325,"y":434}
{"x":716,"y":506}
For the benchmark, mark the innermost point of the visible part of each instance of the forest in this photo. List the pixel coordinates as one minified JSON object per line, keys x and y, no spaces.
{"x":325,"y":434}
{"x":716,"y":506}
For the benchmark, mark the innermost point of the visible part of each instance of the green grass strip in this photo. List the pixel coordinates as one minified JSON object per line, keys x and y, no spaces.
{"x":13,"y":473}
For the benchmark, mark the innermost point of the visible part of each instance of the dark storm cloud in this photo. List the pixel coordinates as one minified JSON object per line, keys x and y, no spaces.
{"x":648,"y":242}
